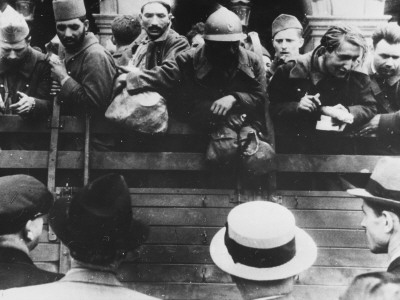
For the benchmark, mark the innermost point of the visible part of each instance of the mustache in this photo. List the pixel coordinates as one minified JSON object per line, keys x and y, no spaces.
{"x":153,"y":27}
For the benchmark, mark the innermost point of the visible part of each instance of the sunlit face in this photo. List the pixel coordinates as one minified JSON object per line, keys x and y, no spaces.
{"x":287,"y":43}
{"x":72,"y":33}
{"x":341,"y":61}
{"x":13,"y":54}
{"x":387,"y":59}
{"x":377,"y":237}
{"x":155,"y":19}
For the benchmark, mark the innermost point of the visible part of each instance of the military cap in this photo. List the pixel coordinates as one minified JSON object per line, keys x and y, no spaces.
{"x":165,"y":2}
{"x":65,"y":10}
{"x":22,"y":198}
{"x":13,"y":27}
{"x":283,"y":22}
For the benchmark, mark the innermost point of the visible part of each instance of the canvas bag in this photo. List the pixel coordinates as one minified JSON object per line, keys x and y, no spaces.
{"x":145,"y":112}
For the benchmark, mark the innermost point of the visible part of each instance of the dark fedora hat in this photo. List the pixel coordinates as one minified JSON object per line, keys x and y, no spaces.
{"x":97,"y":221}
{"x":383,"y":186}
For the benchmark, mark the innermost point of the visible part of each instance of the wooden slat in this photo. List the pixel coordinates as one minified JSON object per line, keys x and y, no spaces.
{"x":217,"y":217}
{"x":185,"y":291}
{"x":206,"y":273}
{"x":326,"y":163}
{"x":46,"y":252}
{"x":51,"y":267}
{"x":327,"y":203}
{"x":327,"y":257}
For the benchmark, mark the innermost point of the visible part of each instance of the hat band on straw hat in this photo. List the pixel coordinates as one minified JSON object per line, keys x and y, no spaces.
{"x":376,"y":189}
{"x":260,"y":258}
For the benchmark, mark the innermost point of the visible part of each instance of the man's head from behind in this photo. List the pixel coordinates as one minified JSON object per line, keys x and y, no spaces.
{"x":155,"y":17}
{"x":381,"y":206}
{"x":343,"y":48}
{"x":386,"y":41}
{"x":96,"y":224}
{"x":125,"y":29}
{"x":222,"y":36}
{"x":14,"y":38}
{"x":287,"y":36}
{"x":71,"y":22}
{"x":23,"y":202}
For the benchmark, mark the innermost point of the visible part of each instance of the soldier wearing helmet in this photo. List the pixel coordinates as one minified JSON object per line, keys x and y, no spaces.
{"x":218,"y":87}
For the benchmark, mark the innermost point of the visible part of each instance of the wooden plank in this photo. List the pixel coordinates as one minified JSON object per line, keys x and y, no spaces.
{"x":21,"y":159}
{"x":217,"y":217}
{"x":185,"y":291}
{"x":209,"y":273}
{"x":45,"y":252}
{"x":173,"y":235}
{"x":326,"y":163}
{"x":51,"y":267}
{"x":328,"y":203}
{"x":190,"y":254}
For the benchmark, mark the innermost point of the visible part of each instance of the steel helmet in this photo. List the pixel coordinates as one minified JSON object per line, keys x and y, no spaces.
{"x":223,"y":26}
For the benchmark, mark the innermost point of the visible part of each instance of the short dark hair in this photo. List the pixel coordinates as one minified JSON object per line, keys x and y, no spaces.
{"x":390,"y":33}
{"x":336,"y":35}
{"x":125,"y":29}
{"x":196,"y":29}
{"x":162,"y":3}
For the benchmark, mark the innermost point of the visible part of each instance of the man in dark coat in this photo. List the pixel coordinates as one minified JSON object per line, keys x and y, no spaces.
{"x":23,"y":202}
{"x":381,"y":208}
{"x":159,"y":42}
{"x":218,"y":87}
{"x":87,"y":73}
{"x":384,"y":70}
{"x":24,"y":76}
{"x":323,"y":82}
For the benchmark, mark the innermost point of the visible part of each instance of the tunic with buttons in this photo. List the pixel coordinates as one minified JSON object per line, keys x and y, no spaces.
{"x":295,"y":79}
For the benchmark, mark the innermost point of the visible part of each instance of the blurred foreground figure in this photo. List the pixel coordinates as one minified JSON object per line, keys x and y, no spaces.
{"x":373,"y":286}
{"x":97,"y":227}
{"x":381,"y":208}
{"x":23,"y":202}
{"x":262,"y":249}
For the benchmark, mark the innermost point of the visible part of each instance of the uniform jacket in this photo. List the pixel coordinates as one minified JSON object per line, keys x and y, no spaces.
{"x":295,"y":79}
{"x":394,"y":267}
{"x":195,"y":85}
{"x":78,"y":284}
{"x":17,"y":270}
{"x":33,"y":79}
{"x":164,"y":48}
{"x":92,"y":71}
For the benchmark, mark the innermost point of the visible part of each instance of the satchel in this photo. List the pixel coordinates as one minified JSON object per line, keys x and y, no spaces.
{"x":144,"y":112}
{"x":258,"y":157}
{"x":223,"y":146}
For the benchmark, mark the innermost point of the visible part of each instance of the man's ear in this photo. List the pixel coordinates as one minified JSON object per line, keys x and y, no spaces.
{"x":86,"y":24}
{"x":301,"y":43}
{"x":28,"y":234}
{"x":390,"y":220}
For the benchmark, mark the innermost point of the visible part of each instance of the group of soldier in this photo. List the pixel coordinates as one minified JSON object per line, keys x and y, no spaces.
{"x":220,"y":87}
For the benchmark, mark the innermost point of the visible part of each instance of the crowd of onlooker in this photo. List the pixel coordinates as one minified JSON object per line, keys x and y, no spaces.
{"x":216,"y":81}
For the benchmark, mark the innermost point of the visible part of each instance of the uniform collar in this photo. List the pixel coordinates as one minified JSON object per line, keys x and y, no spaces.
{"x":89,"y":40}
{"x":202,"y":66}
{"x":12,"y":255}
{"x":26,"y":68}
{"x":91,"y":276}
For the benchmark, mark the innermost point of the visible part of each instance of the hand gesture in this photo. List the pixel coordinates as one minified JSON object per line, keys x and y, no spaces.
{"x":24,"y":105}
{"x":221,"y":106}
{"x":58,"y":70}
{"x":309,"y":103}
{"x":371,"y":128}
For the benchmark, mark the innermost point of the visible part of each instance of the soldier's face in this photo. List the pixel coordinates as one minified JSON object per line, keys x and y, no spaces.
{"x":341,"y":61}
{"x":155,"y":19}
{"x":222,"y":54}
{"x":387,"y":59}
{"x":287,"y":43}
{"x":13,"y":54}
{"x":72,"y":32}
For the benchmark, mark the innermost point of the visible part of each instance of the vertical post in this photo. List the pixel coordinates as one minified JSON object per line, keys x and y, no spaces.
{"x":86,"y":164}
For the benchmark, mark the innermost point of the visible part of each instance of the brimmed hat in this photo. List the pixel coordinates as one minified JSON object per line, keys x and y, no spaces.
{"x":283,"y":22}
{"x":223,"y":26}
{"x":384,"y":184}
{"x":98,"y":219}
{"x":22,"y":199}
{"x":261,"y":242}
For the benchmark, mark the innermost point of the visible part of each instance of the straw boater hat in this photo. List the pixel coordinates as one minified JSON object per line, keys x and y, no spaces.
{"x":261,"y":242}
{"x":384,"y":184}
